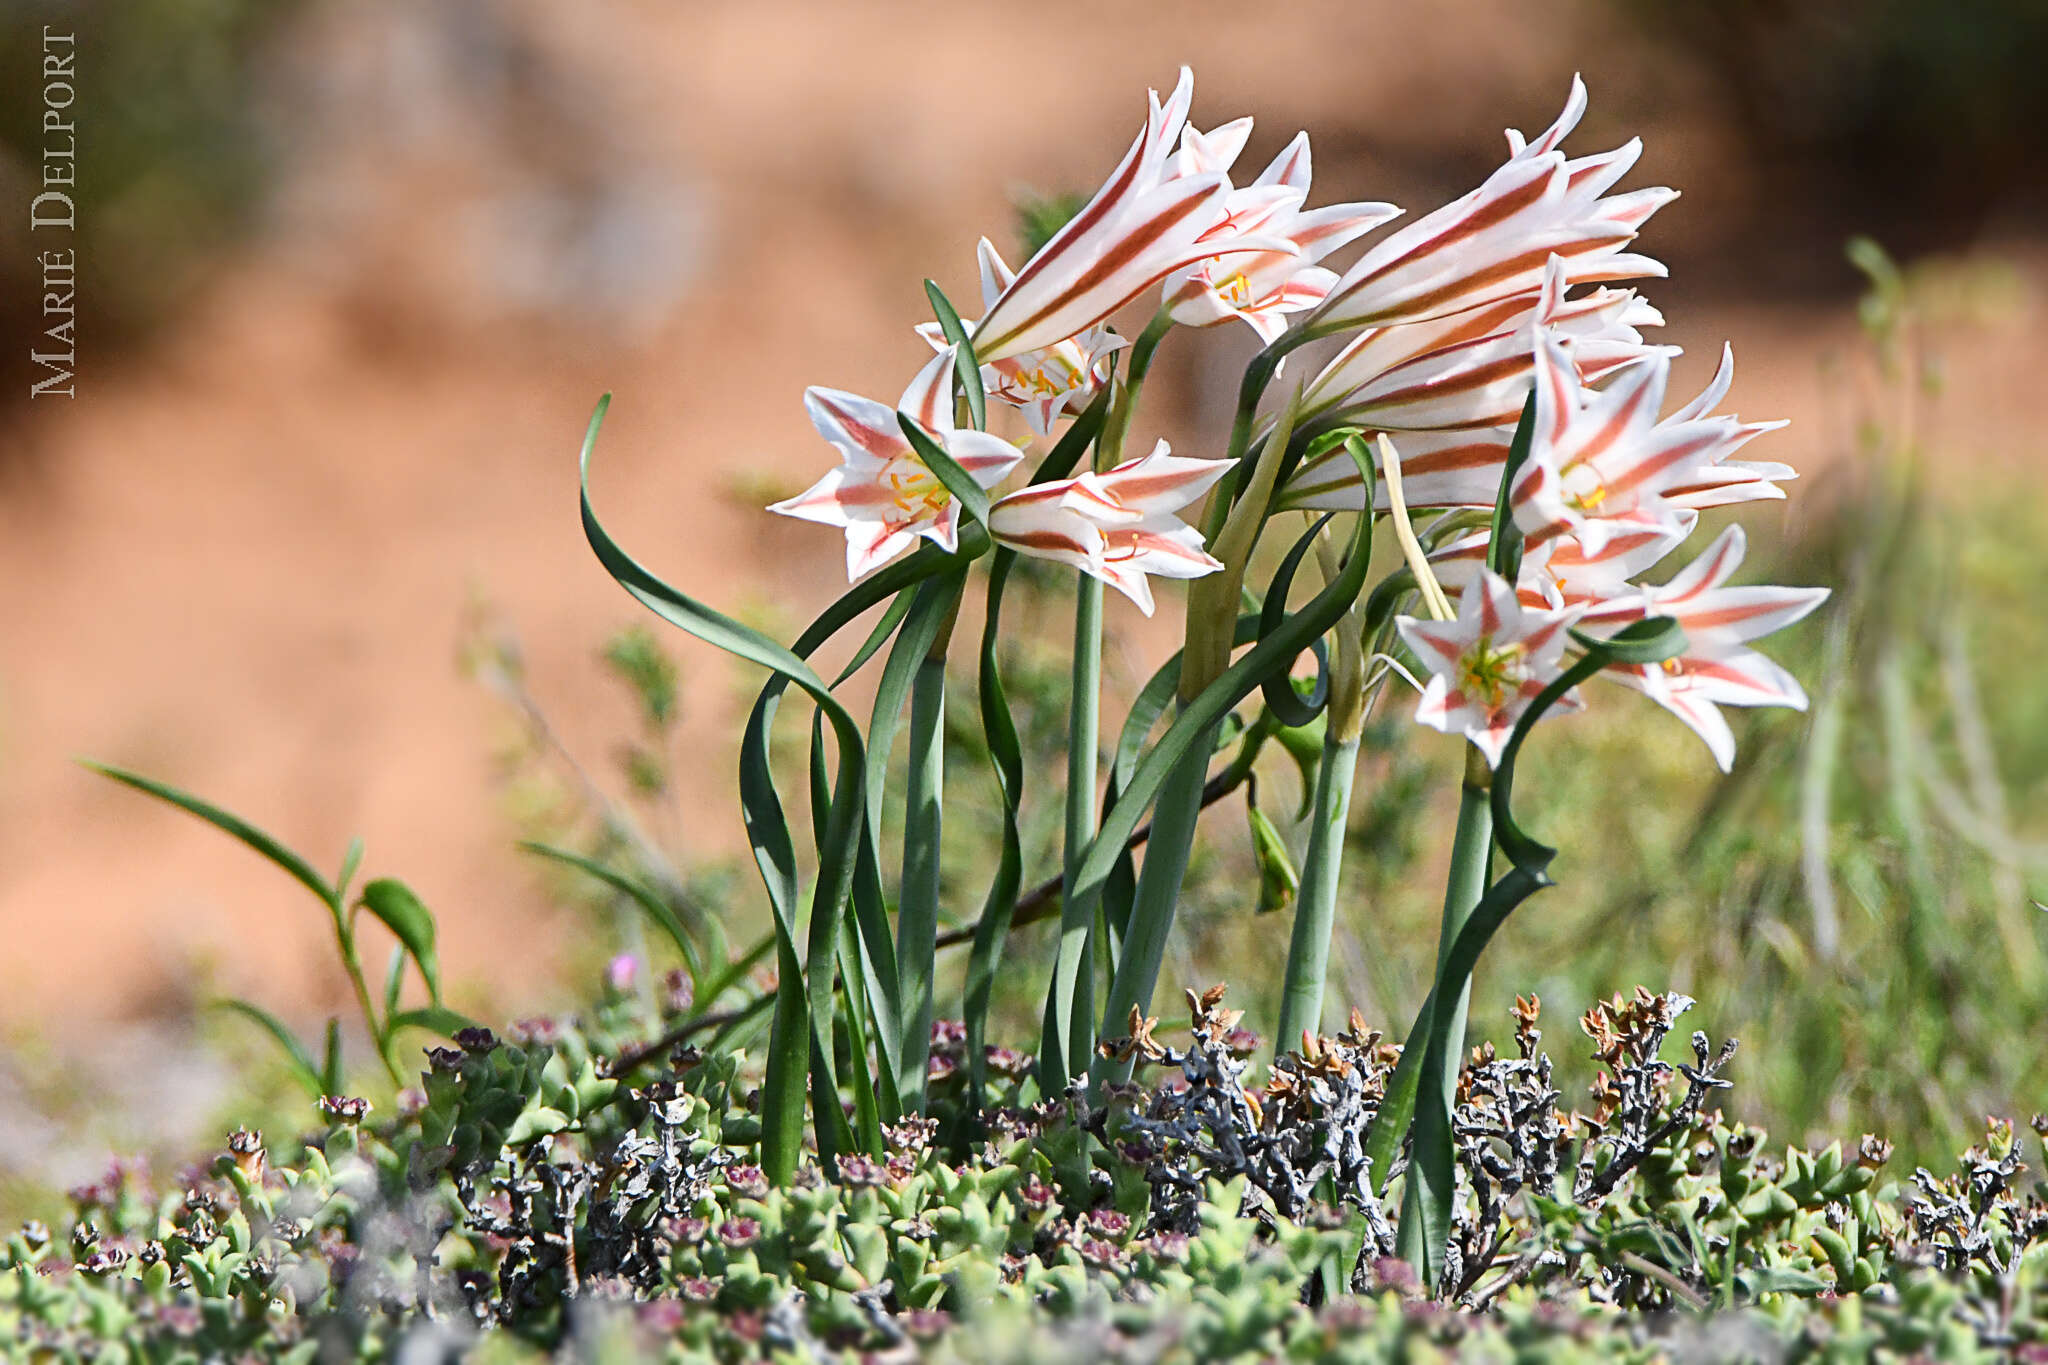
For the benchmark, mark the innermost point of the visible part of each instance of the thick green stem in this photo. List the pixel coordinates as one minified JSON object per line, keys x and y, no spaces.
{"x":1069,"y":1036}
{"x":917,"y":919}
{"x":1315,"y":910}
{"x":1471,"y":862}
{"x":1174,"y":815}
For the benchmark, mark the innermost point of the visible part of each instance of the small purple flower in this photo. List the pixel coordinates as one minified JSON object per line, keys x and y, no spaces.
{"x":620,"y":972}
{"x":861,"y":1171}
{"x":699,"y":1290}
{"x":1110,"y":1223}
{"x":739,"y":1232}
{"x":662,"y":1316}
{"x":747,"y":1182}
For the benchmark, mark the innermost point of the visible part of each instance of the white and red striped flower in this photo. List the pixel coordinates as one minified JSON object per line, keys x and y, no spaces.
{"x":1601,"y":464}
{"x":1119,"y":526}
{"x":883,"y":494}
{"x":1147,"y":221}
{"x":1488,"y":664}
{"x":1047,"y":383}
{"x":1493,"y":242}
{"x":1718,"y":668}
{"x":1470,"y":369}
{"x":1263,"y":288}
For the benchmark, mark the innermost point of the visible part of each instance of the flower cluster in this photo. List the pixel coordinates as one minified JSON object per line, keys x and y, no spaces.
{"x":1444,"y":328}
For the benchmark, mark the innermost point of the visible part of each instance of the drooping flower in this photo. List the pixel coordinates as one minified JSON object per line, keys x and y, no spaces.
{"x":1146,"y":222}
{"x":1493,"y":242}
{"x":1718,"y":668}
{"x":1119,"y":526}
{"x":1601,"y":464}
{"x":1487,"y":665}
{"x":1263,"y":288}
{"x":1046,"y":383}
{"x":882,"y":493}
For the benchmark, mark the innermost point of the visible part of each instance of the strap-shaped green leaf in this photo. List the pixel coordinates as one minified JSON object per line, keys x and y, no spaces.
{"x":1281,"y":699}
{"x":964,"y":363}
{"x":1504,"y":549}
{"x":971,"y":496}
{"x":800,"y":1001}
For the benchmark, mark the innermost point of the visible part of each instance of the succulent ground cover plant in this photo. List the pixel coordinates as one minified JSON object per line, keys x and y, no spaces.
{"x":540,"y":1192}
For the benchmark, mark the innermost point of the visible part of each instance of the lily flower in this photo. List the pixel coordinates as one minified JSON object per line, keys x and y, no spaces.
{"x":1488,"y":664}
{"x":1493,"y":242}
{"x":1718,"y":667}
{"x":1601,"y":464}
{"x":1471,"y":369}
{"x":882,"y":493}
{"x":1047,"y":383}
{"x":1263,"y":288}
{"x":1146,"y":222}
{"x":1117,"y":526}
{"x":1560,"y":572}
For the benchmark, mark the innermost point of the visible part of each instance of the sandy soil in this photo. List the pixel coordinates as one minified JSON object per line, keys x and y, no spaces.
{"x":241,"y":562}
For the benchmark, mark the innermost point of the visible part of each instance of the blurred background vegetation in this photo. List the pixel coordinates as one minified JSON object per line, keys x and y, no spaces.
{"x":354,"y":274}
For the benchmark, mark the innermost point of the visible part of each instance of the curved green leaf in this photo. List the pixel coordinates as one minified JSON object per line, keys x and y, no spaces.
{"x":1504,"y":549}
{"x":229,"y":823}
{"x":1431,"y":1153}
{"x":635,"y":890}
{"x":393,"y":902}
{"x":971,"y":496}
{"x":968,"y":367}
{"x":308,"y":1075}
{"x":797,"y":1008}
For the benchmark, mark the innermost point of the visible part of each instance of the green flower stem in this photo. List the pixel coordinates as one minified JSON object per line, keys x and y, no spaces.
{"x":1070,"y":1010}
{"x":1174,"y":814}
{"x":1068,"y":1042}
{"x":1441,"y":1030}
{"x":1315,"y":914}
{"x":1315,"y":911}
{"x":917,"y":919}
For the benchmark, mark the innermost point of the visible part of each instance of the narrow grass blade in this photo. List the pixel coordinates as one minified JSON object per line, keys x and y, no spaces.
{"x":641,"y":894}
{"x":229,"y":823}
{"x":309,"y":1076}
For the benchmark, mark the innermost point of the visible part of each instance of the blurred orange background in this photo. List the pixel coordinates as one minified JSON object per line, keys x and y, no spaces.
{"x":242,"y":558}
